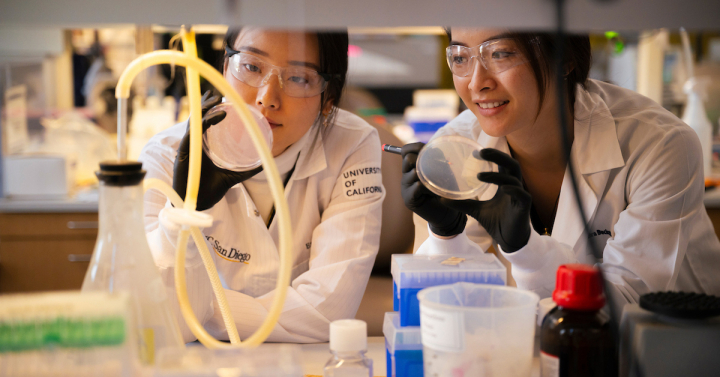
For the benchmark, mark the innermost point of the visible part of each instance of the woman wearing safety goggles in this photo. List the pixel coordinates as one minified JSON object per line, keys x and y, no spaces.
{"x":329,"y":162}
{"x":639,"y":173}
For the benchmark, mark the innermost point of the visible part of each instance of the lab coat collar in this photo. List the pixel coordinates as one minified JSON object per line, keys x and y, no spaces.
{"x":499,"y":143}
{"x":312,"y":157}
{"x":596,"y":147}
{"x":595,"y":152}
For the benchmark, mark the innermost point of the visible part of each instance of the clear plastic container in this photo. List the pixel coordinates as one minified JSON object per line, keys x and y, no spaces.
{"x":403,"y":348}
{"x":477,"y":330}
{"x":411,"y":273}
{"x":447,"y":167}
{"x":67,"y":334}
{"x":267,"y":360}
{"x":228,"y":144}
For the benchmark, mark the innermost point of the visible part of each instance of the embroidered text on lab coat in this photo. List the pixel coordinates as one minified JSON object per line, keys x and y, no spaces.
{"x":232,"y":255}
{"x":361,"y":181}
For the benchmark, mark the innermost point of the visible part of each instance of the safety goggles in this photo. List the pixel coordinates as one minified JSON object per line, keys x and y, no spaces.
{"x":294,"y":81}
{"x":497,"y":55}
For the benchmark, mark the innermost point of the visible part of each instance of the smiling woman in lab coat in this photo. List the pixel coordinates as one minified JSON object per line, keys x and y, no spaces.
{"x":639,"y":169}
{"x":330,"y":162}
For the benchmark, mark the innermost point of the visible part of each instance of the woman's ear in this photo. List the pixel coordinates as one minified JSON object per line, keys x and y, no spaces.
{"x":327,"y":108}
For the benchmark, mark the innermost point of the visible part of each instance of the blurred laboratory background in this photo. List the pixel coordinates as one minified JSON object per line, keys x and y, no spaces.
{"x":59,"y":120}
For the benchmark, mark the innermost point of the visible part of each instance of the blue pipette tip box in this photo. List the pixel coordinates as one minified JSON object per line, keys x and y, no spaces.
{"x":411,"y":273}
{"x":403,"y":348}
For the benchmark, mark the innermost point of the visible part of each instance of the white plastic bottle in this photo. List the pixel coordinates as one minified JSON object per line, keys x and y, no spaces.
{"x":348,"y":345}
{"x":122,"y":260}
{"x":694,"y":114}
{"x":696,"y":117}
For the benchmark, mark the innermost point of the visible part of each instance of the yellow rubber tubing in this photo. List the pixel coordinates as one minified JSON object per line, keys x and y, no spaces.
{"x":193,"y":85}
{"x":218,"y":290}
{"x":276,"y":188}
{"x":193,"y":90}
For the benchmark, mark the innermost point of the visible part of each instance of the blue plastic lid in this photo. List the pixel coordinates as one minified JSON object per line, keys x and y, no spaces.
{"x":400,"y":338}
{"x":421,"y":271}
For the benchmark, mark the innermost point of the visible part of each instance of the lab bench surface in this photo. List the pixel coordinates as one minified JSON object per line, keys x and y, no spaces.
{"x":316,"y":355}
{"x":712,"y":198}
{"x":47,"y":205}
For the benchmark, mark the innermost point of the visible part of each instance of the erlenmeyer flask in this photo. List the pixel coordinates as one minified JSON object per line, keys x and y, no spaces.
{"x":122,"y":259}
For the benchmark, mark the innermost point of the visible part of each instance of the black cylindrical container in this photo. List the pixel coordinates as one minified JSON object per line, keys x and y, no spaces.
{"x":576,"y":339}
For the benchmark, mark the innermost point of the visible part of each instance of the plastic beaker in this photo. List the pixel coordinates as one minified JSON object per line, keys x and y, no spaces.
{"x":447,"y":167}
{"x":477,"y":330}
{"x":228,"y":144}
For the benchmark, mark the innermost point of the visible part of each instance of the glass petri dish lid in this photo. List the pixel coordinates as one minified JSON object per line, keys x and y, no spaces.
{"x":228,"y":143}
{"x":447,"y":167}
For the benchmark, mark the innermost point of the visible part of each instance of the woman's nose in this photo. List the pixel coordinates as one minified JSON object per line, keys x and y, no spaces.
{"x":481,"y":78}
{"x":269,"y":93}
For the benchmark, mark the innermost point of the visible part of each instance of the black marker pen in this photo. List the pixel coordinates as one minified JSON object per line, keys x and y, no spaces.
{"x":391,"y":148}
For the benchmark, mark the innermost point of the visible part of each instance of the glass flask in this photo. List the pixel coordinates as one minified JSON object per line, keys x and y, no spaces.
{"x":122,"y":260}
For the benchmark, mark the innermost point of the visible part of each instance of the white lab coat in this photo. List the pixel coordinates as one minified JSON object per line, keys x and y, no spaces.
{"x":641,"y":184}
{"x":335,"y":196}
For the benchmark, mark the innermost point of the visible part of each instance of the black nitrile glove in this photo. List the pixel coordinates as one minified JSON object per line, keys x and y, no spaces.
{"x":506,"y":216}
{"x":443,"y":220}
{"x":214,"y":181}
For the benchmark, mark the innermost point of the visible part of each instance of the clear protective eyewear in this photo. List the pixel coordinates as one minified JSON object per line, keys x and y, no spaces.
{"x":294,"y":81}
{"x":497,"y":55}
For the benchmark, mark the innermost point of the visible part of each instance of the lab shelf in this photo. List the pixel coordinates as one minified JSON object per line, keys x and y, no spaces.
{"x":581,"y":15}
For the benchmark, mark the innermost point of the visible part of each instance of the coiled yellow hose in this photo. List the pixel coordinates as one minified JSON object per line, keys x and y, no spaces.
{"x":194,"y":67}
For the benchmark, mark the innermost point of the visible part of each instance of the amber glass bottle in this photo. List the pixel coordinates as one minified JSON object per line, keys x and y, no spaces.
{"x":575,"y":339}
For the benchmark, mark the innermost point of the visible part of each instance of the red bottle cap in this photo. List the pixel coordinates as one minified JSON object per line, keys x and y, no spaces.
{"x":579,"y":287}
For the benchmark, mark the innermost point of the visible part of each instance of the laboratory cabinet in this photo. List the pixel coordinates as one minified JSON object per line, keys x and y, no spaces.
{"x":714,"y":214}
{"x":45,"y":251}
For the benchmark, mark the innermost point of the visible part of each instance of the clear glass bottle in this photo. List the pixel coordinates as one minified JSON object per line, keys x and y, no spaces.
{"x":348,"y":345}
{"x":122,"y":259}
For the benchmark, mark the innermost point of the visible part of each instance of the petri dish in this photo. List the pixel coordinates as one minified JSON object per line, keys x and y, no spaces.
{"x":447,"y":167}
{"x":228,"y":143}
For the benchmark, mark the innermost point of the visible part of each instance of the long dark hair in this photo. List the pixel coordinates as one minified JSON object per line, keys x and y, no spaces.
{"x":333,"y":48}
{"x":539,"y":49}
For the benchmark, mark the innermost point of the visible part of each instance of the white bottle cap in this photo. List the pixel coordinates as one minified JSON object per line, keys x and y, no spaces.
{"x":544,"y":307}
{"x":348,"y":335}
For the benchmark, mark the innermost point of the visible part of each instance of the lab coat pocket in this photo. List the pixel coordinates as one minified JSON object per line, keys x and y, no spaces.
{"x":262,"y":284}
{"x":300,"y":268}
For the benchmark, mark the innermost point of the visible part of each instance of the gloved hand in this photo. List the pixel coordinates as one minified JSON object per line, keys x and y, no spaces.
{"x":214,"y":181}
{"x":443,"y":221}
{"x":506,"y":216}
